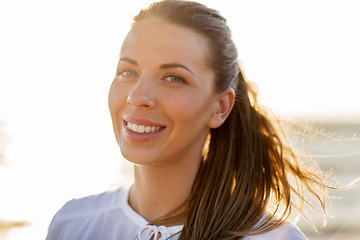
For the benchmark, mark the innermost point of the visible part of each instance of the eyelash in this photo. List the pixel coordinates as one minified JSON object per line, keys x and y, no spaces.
{"x":178,"y":79}
{"x":121,"y":74}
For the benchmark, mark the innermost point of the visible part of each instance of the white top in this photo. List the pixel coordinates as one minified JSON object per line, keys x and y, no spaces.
{"x":109,"y":216}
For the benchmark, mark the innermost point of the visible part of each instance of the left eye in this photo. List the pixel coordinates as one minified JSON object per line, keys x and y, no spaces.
{"x":175,"y":79}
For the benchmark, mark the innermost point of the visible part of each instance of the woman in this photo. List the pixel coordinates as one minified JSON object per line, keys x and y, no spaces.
{"x":208,"y":162}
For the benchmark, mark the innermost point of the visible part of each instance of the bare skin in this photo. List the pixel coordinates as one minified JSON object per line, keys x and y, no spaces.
{"x":163,"y":81}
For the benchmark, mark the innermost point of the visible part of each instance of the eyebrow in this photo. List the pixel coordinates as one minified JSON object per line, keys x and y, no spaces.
{"x":175,"y":65}
{"x":162,"y":66}
{"x":129,"y":60}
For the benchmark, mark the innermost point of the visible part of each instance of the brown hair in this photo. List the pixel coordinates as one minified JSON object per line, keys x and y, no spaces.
{"x":244,"y":179}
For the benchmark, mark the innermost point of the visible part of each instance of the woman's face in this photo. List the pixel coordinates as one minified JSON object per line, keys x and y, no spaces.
{"x":162,"y":99}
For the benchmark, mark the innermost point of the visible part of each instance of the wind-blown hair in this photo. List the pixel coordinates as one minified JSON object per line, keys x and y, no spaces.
{"x":249,"y":179}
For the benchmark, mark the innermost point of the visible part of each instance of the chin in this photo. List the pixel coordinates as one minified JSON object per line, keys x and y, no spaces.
{"x":137,"y":158}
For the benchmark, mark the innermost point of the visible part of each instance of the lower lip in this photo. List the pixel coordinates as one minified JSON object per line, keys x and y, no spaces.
{"x":140,"y":137}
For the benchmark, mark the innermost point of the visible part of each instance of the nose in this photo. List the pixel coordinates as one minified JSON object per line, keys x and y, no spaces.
{"x":141,"y":95}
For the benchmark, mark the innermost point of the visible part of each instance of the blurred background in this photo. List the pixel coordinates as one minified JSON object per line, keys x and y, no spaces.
{"x":58,"y":58}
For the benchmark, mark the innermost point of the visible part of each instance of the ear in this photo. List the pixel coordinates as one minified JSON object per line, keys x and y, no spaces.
{"x":223,"y":107}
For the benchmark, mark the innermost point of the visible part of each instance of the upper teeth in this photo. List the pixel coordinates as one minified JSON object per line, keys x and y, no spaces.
{"x":141,"y":128}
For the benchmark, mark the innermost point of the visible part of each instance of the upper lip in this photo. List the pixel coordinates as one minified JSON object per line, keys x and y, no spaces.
{"x":142,"y":121}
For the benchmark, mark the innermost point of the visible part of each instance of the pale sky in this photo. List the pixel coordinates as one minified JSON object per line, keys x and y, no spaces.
{"x":58,"y":58}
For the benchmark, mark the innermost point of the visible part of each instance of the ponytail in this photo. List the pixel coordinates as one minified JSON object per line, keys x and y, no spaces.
{"x":248,"y":165}
{"x":243,"y":180}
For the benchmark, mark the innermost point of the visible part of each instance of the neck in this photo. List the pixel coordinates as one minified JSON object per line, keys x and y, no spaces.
{"x":161,"y":189}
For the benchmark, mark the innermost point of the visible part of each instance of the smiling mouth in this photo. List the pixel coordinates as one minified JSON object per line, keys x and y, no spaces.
{"x":142,"y":128}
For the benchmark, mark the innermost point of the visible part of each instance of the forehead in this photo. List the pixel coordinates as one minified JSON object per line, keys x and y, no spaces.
{"x":156,"y":38}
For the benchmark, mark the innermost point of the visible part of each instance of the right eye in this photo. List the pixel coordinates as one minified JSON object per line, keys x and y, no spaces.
{"x":128,"y":74}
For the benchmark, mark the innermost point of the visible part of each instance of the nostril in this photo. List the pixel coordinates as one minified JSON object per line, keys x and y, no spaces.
{"x":141,"y":93}
{"x":140,"y":101}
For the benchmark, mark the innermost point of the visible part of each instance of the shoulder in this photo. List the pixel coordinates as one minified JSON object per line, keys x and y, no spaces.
{"x":91,"y":204}
{"x":88,"y":216}
{"x":287,"y":231}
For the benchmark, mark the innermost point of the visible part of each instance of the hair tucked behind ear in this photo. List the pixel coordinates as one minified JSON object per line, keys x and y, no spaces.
{"x":249,"y":179}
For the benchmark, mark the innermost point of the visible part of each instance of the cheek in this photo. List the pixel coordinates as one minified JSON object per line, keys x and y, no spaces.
{"x":116,"y":101}
{"x":115,"y":98}
{"x":191,"y":109}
